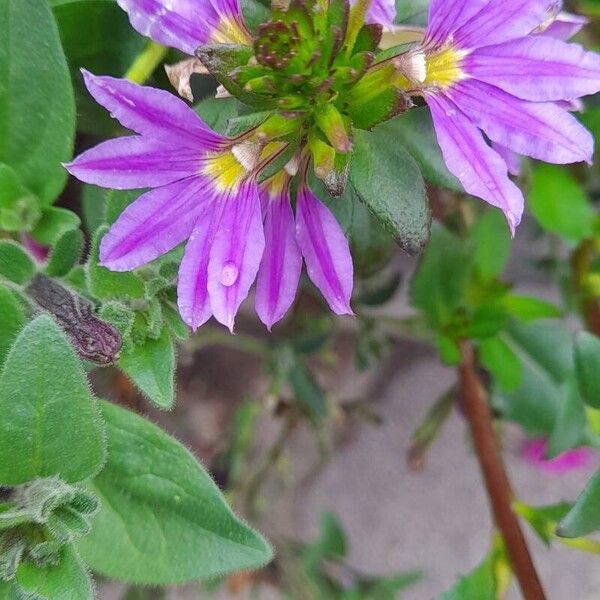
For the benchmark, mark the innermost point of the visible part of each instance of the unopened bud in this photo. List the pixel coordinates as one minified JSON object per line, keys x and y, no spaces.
{"x":332,"y":124}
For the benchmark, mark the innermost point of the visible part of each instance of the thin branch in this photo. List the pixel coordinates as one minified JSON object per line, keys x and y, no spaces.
{"x":496,"y":480}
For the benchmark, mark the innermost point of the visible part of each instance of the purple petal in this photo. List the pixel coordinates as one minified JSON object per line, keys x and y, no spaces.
{"x":187,"y":24}
{"x":537,"y":68}
{"x":565,"y":26}
{"x":541,"y":130}
{"x":154,"y":224}
{"x":446,"y":16}
{"x":503,"y":20}
{"x":134,"y":162}
{"x":236,"y":253}
{"x":481,"y":171}
{"x":281,"y":264}
{"x":156,"y":114}
{"x":325,"y":250}
{"x":382,"y":12}
{"x":512,"y":159}
{"x":192,"y":291}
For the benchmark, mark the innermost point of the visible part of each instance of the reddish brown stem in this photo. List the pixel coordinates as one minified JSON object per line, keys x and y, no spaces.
{"x":496,"y":480}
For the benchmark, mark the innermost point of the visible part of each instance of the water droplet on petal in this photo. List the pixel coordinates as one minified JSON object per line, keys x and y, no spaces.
{"x":229,"y":274}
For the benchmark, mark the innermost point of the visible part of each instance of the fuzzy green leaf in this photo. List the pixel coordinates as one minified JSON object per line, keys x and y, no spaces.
{"x":13,"y":318}
{"x":151,"y":367}
{"x":37,"y":109}
{"x":53,"y":224}
{"x":15,"y":264}
{"x":65,"y":253}
{"x":68,"y":580}
{"x":172,"y":523}
{"x":50,"y":423}
{"x":19,"y":208}
{"x":108,"y":285}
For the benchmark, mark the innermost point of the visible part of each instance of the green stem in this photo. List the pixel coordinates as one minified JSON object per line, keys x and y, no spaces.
{"x":146,"y":62}
{"x":270,"y":458}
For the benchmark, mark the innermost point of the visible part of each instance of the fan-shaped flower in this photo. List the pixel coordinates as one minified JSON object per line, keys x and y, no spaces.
{"x":485,"y":72}
{"x":205,"y":192}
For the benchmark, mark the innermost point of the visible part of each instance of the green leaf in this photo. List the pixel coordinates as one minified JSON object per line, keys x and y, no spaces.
{"x":68,"y":580}
{"x":108,"y":285}
{"x":389,"y":182}
{"x":254,"y":13}
{"x":15,"y":264}
{"x":587,"y":362}
{"x":414,"y":130}
{"x":543,"y":519}
{"x":584,"y":517}
{"x":13,"y":318}
{"x":333,"y":539}
{"x":37,"y":109}
{"x":439,"y":285}
{"x":479,"y":584}
{"x":117,"y":201}
{"x":238,"y":125}
{"x":218,"y":112}
{"x":500,"y":360}
{"x":448,"y":350}
{"x":151,"y":367}
{"x":65,"y":253}
{"x":492,"y":244}
{"x":412,"y":11}
{"x":570,"y":425}
{"x":109,"y":46}
{"x":19,"y":210}
{"x":54,"y":223}
{"x":8,"y":591}
{"x":173,"y":319}
{"x":93,"y":206}
{"x":50,"y":423}
{"x":172,"y":523}
{"x":559,"y":203}
{"x":545,"y":351}
{"x":528,"y":309}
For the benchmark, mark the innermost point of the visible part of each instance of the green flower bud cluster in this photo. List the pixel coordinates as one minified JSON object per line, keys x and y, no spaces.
{"x":308,"y":67}
{"x":38,"y":518}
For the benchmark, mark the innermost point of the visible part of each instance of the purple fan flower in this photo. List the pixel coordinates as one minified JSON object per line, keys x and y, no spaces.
{"x":485,"y":72}
{"x":205,"y":192}
{"x":187,"y":24}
